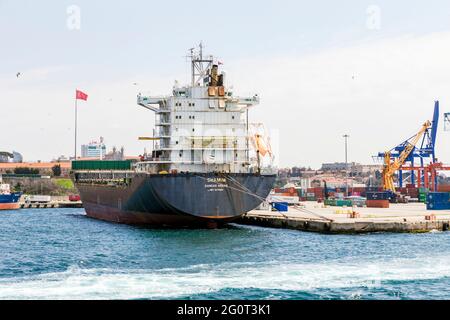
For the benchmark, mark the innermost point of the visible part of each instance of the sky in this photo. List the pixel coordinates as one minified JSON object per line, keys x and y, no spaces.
{"x":370,"y":69}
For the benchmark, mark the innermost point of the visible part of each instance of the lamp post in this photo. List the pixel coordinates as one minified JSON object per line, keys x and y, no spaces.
{"x":346,"y":136}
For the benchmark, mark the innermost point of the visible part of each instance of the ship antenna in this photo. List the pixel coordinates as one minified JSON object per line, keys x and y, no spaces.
{"x":191,"y":50}
{"x":199,"y":65}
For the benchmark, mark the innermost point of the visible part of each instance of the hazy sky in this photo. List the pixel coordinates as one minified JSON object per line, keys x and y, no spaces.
{"x":371,"y":69}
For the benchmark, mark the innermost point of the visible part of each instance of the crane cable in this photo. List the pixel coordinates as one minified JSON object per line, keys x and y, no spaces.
{"x":265,"y":201}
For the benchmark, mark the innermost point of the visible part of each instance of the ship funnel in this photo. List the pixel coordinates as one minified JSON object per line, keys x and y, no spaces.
{"x":214,"y":76}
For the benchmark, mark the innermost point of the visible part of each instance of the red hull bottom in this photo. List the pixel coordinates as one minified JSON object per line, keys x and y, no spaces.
{"x":150,"y":219}
{"x":9,"y":206}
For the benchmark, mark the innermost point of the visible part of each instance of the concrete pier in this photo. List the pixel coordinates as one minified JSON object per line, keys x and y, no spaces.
{"x":314,"y":217}
{"x":53,"y":204}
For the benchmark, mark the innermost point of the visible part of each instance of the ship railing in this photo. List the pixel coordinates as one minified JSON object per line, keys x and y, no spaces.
{"x":115,"y":178}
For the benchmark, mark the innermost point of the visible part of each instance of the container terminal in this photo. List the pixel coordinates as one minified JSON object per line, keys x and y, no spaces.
{"x":422,"y":205}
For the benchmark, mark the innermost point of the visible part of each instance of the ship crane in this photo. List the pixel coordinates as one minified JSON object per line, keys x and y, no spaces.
{"x":390,"y":167}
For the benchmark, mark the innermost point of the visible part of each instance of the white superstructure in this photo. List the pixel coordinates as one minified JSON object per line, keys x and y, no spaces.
{"x":202,"y":127}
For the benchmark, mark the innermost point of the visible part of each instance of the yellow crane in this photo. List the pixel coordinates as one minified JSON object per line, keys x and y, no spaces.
{"x":148,"y":139}
{"x":390,"y":167}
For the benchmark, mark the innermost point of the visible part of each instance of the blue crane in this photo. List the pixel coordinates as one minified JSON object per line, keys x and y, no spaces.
{"x":424,"y":153}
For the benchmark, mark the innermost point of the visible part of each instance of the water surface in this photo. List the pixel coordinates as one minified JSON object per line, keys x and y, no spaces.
{"x":62,"y":254}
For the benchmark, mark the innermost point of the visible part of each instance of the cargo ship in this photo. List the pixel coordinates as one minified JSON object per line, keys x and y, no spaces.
{"x":8,"y":200}
{"x":208,"y":165}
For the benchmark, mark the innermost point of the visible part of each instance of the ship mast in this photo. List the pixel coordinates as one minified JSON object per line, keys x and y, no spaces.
{"x":198,"y":69}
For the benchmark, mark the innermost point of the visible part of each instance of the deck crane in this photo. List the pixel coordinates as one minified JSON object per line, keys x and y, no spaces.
{"x":390,"y":167}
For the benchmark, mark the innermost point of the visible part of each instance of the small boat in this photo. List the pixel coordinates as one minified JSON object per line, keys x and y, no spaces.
{"x":9,"y":200}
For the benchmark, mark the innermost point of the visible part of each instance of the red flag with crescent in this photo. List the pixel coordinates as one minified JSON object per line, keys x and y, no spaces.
{"x":80,"y":95}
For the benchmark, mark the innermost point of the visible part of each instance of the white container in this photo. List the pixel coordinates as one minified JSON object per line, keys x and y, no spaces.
{"x":289,"y":200}
{"x":38,"y":199}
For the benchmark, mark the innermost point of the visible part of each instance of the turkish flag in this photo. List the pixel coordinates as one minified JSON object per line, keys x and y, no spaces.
{"x":81,"y":95}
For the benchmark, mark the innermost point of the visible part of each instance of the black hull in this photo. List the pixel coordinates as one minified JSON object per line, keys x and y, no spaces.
{"x":180,"y":200}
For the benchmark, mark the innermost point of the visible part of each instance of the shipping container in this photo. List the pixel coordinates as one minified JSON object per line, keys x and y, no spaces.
{"x":438,"y":197}
{"x":438,"y":206}
{"x":444,"y":188}
{"x":38,"y":199}
{"x":378,"y":195}
{"x":280,"y":206}
{"x":377,"y":203}
{"x":344,"y":203}
{"x":272,"y":198}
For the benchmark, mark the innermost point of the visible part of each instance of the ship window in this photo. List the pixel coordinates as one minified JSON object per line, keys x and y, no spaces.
{"x":176,"y":142}
{"x":232,"y":117}
{"x":193,"y":129}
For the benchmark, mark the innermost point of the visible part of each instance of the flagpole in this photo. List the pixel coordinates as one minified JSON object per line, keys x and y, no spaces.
{"x":76,"y":122}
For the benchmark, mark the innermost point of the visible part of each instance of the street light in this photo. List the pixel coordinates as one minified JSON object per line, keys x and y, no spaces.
{"x":346,"y":136}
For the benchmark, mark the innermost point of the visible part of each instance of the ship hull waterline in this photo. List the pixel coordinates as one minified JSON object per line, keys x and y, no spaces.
{"x":176,"y":200}
{"x":10,"y":201}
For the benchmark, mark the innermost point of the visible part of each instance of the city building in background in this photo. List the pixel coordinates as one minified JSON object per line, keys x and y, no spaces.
{"x":337,"y":166}
{"x":94,"y":149}
{"x":115,"y":154}
{"x":14,"y":157}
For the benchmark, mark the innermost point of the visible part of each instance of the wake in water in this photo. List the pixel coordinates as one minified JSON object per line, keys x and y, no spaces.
{"x":79,"y":283}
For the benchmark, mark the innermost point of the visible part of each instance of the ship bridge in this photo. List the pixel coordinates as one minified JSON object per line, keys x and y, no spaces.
{"x":202,"y":124}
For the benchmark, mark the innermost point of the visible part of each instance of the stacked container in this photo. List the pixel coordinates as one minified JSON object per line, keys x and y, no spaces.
{"x":378,"y":199}
{"x":423,"y":195}
{"x":438,"y":201}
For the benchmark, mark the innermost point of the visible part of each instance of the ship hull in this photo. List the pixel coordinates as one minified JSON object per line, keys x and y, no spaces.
{"x":10,"y":201}
{"x":180,"y":200}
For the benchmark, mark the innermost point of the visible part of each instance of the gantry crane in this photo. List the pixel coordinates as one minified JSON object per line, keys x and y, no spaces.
{"x":423,"y":154}
{"x":390,"y":167}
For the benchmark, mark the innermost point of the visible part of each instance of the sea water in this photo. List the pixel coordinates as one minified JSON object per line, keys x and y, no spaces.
{"x":62,"y":254}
